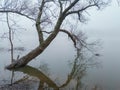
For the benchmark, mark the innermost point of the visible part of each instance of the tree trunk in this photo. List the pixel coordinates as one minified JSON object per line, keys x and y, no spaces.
{"x":25,"y":59}
{"x":32,"y":54}
{"x":38,"y":50}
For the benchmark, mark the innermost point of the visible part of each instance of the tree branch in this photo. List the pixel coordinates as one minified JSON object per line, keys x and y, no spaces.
{"x":75,"y":39}
{"x":16,"y":12}
{"x":61,"y":6}
{"x":70,"y":6}
{"x":10,"y":37}
{"x":39,"y":31}
{"x":80,"y":10}
{"x":70,"y":35}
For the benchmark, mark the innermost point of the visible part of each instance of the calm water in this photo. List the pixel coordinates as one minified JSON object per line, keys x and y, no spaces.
{"x":59,"y":67}
{"x":51,"y":68}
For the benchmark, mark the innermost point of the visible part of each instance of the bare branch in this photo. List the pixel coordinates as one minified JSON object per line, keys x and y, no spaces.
{"x":47,"y":32}
{"x":78,"y":39}
{"x":61,"y":6}
{"x":17,"y":12}
{"x":69,"y":35}
{"x":70,"y":6}
{"x":40,"y":34}
{"x":10,"y":37}
{"x":80,"y":10}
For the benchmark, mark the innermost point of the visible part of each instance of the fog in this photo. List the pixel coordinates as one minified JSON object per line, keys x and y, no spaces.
{"x":103,"y":25}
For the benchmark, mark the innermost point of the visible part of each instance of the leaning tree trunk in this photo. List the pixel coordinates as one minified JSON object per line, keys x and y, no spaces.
{"x":25,"y":59}
{"x":32,"y":54}
{"x":37,"y":51}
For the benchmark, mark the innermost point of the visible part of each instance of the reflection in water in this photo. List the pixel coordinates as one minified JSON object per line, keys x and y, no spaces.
{"x":73,"y":81}
{"x":12,"y":77}
{"x":18,"y":49}
{"x":15,"y":49}
{"x":41,"y":76}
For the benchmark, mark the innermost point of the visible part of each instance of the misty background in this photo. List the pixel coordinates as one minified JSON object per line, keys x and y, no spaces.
{"x":103,"y":25}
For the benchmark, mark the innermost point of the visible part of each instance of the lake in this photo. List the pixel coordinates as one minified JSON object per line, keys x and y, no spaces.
{"x":53,"y":69}
{"x":59,"y":67}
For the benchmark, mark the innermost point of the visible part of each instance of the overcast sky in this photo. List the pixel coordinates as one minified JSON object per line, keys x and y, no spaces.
{"x":105,"y":22}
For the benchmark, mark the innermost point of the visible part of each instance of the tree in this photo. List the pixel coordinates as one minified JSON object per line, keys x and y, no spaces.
{"x":53,"y":14}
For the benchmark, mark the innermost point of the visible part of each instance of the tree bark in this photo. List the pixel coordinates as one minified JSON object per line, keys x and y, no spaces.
{"x":30,"y":56}
{"x":25,"y":59}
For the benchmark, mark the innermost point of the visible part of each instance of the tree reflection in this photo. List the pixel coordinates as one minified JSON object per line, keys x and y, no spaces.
{"x":78,"y":71}
{"x":40,"y":75}
{"x":79,"y":68}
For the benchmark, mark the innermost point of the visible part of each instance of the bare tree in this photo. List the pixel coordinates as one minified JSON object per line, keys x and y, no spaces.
{"x":50,"y":17}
